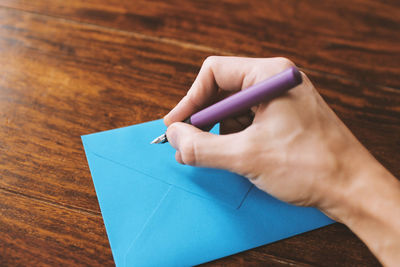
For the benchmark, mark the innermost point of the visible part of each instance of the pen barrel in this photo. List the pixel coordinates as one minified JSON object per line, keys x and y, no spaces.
{"x":247,"y":98}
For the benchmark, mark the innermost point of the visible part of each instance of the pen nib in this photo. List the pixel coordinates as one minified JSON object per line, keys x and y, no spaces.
{"x":159,"y":140}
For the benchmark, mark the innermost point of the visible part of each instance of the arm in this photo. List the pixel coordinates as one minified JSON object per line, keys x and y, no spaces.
{"x":371,"y":208}
{"x":295,"y":148}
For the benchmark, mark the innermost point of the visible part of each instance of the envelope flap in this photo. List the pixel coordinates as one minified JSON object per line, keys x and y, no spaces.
{"x":130,"y":147}
{"x":187,"y":231}
{"x":127,"y":201}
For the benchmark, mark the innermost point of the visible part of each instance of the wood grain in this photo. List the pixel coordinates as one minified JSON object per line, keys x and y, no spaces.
{"x":34,"y":233}
{"x":293,"y":252}
{"x":60,"y":79}
{"x":359,"y":40}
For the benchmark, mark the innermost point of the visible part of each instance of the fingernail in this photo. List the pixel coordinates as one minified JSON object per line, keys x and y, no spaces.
{"x":166,"y":118}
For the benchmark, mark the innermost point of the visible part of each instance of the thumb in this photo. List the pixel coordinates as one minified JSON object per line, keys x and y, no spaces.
{"x":198,"y":148}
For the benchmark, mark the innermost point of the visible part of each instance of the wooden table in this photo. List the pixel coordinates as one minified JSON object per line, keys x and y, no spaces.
{"x":69,"y":68}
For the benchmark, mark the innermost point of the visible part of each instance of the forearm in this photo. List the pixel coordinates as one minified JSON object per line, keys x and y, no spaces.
{"x":371,"y":209}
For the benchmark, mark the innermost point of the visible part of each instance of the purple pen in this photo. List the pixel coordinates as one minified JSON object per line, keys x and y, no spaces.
{"x":243,"y":100}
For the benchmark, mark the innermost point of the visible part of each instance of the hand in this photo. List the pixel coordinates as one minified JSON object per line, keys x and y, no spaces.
{"x":293,"y":147}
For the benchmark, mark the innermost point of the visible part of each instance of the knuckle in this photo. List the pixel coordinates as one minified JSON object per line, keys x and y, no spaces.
{"x":187,"y":150}
{"x":307,"y":86}
{"x":285,"y":62}
{"x":192,"y":98}
{"x":210,"y":61}
{"x":305,"y":78}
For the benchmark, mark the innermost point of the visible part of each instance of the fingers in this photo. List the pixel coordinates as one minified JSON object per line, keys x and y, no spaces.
{"x":224,"y":73}
{"x":236,"y":124}
{"x":197,"y":148}
{"x":215,"y":73}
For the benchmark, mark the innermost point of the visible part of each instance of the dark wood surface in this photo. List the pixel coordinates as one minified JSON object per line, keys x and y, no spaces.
{"x":69,"y":68}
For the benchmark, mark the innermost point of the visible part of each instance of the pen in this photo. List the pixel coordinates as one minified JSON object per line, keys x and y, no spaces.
{"x":243,"y":100}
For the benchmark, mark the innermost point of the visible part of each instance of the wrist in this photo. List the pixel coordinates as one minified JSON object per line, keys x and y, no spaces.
{"x":351,"y":179}
{"x":368,"y":189}
{"x":369,"y":206}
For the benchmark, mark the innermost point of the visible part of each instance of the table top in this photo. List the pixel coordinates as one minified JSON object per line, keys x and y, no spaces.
{"x":69,"y":68}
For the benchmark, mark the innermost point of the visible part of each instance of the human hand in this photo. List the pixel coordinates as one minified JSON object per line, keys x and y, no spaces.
{"x":293,"y":147}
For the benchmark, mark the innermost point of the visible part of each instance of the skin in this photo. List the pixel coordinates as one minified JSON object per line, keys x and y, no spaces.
{"x":294,"y":147}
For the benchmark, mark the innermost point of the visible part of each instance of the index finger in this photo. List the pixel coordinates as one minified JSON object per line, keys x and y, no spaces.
{"x":227,"y":74}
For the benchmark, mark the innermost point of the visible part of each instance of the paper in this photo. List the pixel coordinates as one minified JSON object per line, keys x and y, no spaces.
{"x":158,"y":212}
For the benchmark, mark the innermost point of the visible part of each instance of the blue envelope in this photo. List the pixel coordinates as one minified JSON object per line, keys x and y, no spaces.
{"x":160,"y":213}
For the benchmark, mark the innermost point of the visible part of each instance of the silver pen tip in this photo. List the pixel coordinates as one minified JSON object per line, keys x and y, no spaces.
{"x":160,"y":139}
